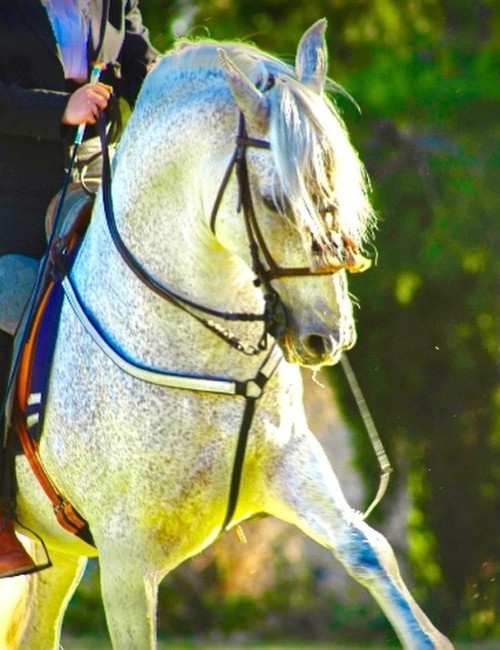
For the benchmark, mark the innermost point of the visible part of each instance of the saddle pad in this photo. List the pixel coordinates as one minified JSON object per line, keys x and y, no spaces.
{"x":17,"y":279}
{"x":36,"y":358}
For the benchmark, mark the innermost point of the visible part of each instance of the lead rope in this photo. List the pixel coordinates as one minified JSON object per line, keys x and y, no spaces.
{"x":378,"y":447}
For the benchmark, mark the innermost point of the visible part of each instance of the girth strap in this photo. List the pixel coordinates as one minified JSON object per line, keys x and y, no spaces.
{"x":67,"y":516}
{"x":239,"y":458}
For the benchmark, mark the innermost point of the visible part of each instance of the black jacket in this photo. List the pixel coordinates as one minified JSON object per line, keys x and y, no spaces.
{"x":33,"y":92}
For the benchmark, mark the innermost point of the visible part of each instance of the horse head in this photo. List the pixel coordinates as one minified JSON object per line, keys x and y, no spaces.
{"x":274,"y":139}
{"x":306,"y":192}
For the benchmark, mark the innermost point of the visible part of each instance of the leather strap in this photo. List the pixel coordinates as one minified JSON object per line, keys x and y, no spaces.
{"x":67,"y":516}
{"x":133,"y":263}
{"x":239,"y":458}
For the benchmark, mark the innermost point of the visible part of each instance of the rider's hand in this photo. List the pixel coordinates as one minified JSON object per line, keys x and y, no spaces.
{"x":84,"y":104}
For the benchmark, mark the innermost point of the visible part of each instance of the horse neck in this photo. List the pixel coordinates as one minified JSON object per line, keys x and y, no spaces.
{"x":162,"y":197}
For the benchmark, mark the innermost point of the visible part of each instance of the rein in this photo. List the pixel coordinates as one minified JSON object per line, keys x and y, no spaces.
{"x":183,"y":303}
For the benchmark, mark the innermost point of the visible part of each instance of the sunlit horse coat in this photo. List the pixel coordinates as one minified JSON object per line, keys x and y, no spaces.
{"x":149,"y":466}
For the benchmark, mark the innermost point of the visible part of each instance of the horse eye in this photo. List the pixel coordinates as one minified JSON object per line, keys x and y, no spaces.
{"x":329,"y":213}
{"x":328,"y":208}
{"x":270,"y":203}
{"x":317,"y":248}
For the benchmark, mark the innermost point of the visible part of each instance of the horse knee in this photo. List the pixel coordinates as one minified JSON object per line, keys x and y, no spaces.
{"x":366,"y":554}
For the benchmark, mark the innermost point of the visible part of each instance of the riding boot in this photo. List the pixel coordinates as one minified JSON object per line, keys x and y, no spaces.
{"x":14,"y":559}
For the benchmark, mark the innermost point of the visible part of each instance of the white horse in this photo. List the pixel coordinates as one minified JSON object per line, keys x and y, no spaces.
{"x":152,"y":390}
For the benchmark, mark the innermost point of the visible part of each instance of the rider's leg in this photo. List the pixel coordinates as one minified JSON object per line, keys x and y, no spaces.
{"x":22,"y":231}
{"x":14,"y":560}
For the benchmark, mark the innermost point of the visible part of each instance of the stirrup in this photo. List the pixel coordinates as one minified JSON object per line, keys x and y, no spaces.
{"x":14,"y":558}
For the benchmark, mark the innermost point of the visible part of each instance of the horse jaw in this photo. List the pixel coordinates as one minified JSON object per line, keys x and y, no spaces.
{"x":311,"y":61}
{"x":250,"y":100}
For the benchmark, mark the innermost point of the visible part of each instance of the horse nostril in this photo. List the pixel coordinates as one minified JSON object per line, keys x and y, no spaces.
{"x":318,"y":345}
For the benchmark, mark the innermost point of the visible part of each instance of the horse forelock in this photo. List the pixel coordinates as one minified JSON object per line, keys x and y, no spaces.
{"x":319,"y":175}
{"x":319,"y":172}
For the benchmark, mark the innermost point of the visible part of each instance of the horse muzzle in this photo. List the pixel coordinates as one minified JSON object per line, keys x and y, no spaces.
{"x":314,"y":346}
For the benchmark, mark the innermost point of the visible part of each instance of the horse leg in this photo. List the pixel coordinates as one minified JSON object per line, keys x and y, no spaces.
{"x":304,"y":491}
{"x":129,"y":594}
{"x":38,"y":619}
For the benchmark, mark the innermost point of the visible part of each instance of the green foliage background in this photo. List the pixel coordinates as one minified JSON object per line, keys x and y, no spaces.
{"x":426,"y":74}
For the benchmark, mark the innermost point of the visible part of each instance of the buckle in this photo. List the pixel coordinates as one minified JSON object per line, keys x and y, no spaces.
{"x":253,"y":389}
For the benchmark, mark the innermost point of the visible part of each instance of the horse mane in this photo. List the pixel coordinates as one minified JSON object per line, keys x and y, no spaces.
{"x":323,"y":184}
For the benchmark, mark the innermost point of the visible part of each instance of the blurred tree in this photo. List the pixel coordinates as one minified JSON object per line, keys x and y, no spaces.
{"x":428,"y":349}
{"x":427,"y":76}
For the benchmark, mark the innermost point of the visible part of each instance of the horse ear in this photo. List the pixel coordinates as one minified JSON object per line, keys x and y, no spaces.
{"x":248,"y":97}
{"x":311,"y":62}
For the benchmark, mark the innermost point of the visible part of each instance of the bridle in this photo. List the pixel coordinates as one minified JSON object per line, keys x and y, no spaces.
{"x":267,"y":272}
{"x":194,"y":309}
{"x":270,"y":271}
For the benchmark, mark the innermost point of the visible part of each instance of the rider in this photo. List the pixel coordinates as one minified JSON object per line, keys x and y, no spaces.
{"x":46,"y":50}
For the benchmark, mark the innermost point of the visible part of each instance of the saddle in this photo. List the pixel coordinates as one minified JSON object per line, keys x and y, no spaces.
{"x":18,"y":273}
{"x":31,"y":298}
